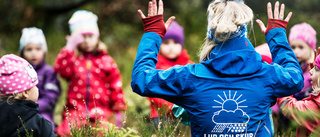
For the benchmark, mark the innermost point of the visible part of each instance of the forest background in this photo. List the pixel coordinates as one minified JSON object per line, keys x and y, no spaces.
{"x":121,"y":29}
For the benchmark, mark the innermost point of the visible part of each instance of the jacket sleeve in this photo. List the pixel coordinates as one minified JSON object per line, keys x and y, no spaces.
{"x":288,"y":75}
{"x":117,"y":97}
{"x":51,"y":91}
{"x":304,"y":112}
{"x":64,"y":63}
{"x":151,"y":82}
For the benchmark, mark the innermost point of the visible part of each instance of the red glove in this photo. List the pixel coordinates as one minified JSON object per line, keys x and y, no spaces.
{"x":155,"y":24}
{"x":276,"y":23}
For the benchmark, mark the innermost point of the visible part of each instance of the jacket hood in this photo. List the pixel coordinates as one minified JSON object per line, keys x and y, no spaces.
{"x":9,"y":120}
{"x":235,"y":57}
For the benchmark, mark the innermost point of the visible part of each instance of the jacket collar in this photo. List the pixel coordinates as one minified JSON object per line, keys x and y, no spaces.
{"x":37,"y":67}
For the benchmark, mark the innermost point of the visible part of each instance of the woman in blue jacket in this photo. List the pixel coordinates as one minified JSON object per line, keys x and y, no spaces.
{"x":229,"y":93}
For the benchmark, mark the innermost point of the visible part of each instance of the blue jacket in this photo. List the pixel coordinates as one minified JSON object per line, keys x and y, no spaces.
{"x":230,"y":93}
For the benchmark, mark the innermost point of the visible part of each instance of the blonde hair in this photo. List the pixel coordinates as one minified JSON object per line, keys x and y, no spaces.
{"x":100,"y":47}
{"x":311,"y":55}
{"x":10,"y":98}
{"x":225,"y":17}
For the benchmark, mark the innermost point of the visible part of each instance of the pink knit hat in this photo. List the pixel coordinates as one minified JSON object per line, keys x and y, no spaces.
{"x":16,"y":75}
{"x":265,"y":53}
{"x":303,"y":32}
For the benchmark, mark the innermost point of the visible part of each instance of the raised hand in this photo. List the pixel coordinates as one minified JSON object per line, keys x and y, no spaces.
{"x":73,"y":41}
{"x":275,"y":19}
{"x":154,"y":21}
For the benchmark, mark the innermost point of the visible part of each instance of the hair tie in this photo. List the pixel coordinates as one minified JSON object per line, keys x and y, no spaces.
{"x":240,"y":32}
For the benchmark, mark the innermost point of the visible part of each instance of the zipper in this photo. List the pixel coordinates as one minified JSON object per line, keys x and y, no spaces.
{"x":265,"y":126}
{"x":88,"y":65}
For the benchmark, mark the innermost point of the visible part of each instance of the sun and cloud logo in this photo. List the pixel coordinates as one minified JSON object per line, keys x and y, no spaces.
{"x":231,"y":116}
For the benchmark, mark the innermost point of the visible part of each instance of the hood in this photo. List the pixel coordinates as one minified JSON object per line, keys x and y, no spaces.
{"x":235,"y":57}
{"x":9,"y":119}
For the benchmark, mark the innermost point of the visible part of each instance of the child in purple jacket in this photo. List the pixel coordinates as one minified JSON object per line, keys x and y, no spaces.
{"x":33,"y":48}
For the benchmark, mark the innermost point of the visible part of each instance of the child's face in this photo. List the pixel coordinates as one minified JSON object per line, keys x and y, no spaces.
{"x":170,"y":49}
{"x":301,"y":49}
{"x":90,"y":43}
{"x":33,"y":53}
{"x":314,"y":75}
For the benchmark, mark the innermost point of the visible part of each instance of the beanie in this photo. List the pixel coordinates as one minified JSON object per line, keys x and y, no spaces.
{"x":265,"y":53}
{"x":303,"y":32}
{"x":32,"y":35}
{"x":16,"y":75}
{"x":175,"y":32}
{"x":84,"y":22}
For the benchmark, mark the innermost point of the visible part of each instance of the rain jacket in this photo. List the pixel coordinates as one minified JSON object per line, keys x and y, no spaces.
{"x":28,"y":111}
{"x":163,"y":63}
{"x":49,"y":90}
{"x":95,"y":86}
{"x":305,"y":112}
{"x":230,"y":93}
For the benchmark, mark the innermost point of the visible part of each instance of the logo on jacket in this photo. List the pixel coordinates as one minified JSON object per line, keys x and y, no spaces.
{"x":231,"y":117}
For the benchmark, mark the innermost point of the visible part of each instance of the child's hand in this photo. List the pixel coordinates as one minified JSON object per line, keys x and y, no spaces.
{"x":154,"y":22}
{"x":276,"y":20}
{"x":73,"y":41}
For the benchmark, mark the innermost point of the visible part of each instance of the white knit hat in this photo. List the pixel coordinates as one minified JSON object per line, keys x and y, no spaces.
{"x":32,"y":35}
{"x":84,"y":22}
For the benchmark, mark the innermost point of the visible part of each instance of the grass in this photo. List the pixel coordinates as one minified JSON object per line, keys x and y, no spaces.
{"x":140,"y":126}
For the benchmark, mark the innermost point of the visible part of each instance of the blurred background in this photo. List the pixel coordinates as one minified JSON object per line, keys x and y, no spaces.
{"x":121,"y":29}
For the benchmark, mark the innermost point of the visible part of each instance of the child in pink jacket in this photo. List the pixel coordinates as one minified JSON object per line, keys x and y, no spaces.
{"x":307,"y":111}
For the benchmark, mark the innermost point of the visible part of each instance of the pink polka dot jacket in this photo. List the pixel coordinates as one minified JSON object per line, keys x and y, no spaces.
{"x":94,"y":85}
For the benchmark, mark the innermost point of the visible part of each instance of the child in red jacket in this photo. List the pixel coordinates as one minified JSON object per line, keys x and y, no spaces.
{"x":95,"y":87}
{"x":171,"y":54}
{"x":293,"y":109}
